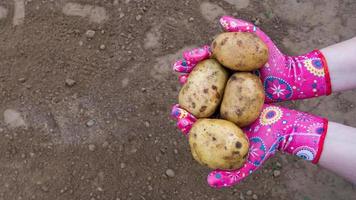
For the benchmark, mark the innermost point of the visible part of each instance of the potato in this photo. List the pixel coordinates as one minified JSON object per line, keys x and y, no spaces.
{"x":202,"y":93}
{"x":218,"y":144}
{"x":243,"y":99}
{"x":240,"y":51}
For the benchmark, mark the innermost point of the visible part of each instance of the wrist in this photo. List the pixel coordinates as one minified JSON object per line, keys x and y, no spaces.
{"x":310,"y":74}
{"x":303,"y":135}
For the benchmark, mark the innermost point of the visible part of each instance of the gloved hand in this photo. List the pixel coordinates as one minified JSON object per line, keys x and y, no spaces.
{"x":277,"y":128}
{"x":284,"y":77}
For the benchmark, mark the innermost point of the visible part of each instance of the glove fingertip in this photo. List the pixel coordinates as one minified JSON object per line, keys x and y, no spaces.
{"x":183,"y":79}
{"x":231,"y":24}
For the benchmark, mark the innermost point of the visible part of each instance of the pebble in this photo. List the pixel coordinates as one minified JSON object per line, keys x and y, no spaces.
{"x":102,"y":47}
{"x":157,"y":158}
{"x":254,"y":196}
{"x":256,"y":21}
{"x":170,"y":173}
{"x":105,"y":144}
{"x":44,"y":188}
{"x":249,"y":192}
{"x":70,"y":82}
{"x":147,"y":124}
{"x":121,"y":15}
{"x":90,"y":33}
{"x":80,"y":43}
{"x":122,"y":165}
{"x":242,"y":196}
{"x":90,"y":123}
{"x":278,"y":164}
{"x":191,"y":19}
{"x":22,"y":80}
{"x":150,"y":188}
{"x":138,"y":17}
{"x":175,"y":151}
{"x":276,"y":173}
{"x":91,"y":147}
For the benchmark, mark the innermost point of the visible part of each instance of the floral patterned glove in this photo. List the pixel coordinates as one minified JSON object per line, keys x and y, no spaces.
{"x":284,"y":77}
{"x":277,"y":128}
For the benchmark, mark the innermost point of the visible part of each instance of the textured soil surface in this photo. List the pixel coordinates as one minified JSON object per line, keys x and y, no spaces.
{"x":86,"y":88}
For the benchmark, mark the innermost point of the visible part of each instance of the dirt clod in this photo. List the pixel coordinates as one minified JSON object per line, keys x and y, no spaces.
{"x":131,"y":82}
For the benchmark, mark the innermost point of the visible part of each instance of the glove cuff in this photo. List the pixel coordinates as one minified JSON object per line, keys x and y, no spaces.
{"x":321,"y":142}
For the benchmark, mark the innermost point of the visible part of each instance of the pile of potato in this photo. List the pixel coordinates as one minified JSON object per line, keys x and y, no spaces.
{"x":225,"y":82}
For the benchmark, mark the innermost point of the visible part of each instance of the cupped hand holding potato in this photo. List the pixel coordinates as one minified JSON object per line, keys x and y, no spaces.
{"x":284,"y":77}
{"x":277,"y":128}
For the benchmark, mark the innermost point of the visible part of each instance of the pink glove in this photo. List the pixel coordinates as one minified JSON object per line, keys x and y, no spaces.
{"x":277,"y":128}
{"x":284,"y":77}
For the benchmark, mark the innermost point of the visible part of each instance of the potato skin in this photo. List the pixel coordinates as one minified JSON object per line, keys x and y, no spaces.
{"x":203,"y":91}
{"x":240,"y":51}
{"x":243,"y":99}
{"x":218,"y":144}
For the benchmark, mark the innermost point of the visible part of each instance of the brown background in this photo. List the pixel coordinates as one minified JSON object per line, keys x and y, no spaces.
{"x":109,"y":136}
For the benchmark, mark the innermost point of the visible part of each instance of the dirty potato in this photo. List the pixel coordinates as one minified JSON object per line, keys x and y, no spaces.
{"x":202,"y":93}
{"x":240,"y":51}
{"x":243,"y":99}
{"x":218,"y":144}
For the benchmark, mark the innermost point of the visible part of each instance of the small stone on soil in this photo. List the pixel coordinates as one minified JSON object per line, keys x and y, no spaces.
{"x":70,"y":82}
{"x":138,"y":17}
{"x":276,"y":173}
{"x":170,"y":173}
{"x":122,"y":165}
{"x":44,"y":188}
{"x":105,"y":144}
{"x":90,"y":33}
{"x":22,"y":80}
{"x":90,"y":123}
{"x":242,"y":196}
{"x":102,"y":47}
{"x":254,"y":196}
{"x":91,"y":147}
{"x":249,"y":192}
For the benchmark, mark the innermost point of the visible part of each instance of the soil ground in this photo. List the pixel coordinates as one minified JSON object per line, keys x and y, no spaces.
{"x":92,"y":110}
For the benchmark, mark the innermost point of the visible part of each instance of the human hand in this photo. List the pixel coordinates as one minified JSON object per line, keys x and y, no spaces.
{"x":277,"y":128}
{"x":284,"y":77}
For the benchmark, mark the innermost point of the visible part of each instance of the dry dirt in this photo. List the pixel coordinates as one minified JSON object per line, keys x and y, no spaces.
{"x":85,"y":115}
